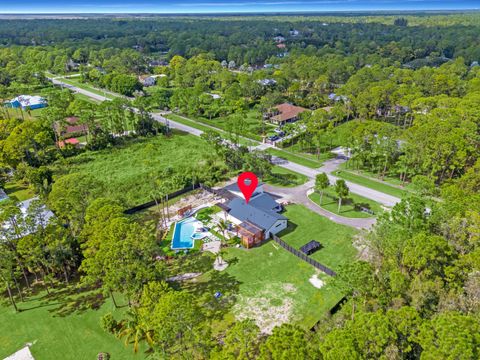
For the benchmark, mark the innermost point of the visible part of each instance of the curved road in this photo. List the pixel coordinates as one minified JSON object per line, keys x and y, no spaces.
{"x":299,"y":193}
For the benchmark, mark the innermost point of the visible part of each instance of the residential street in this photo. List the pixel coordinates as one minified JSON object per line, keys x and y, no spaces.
{"x":328,"y":167}
{"x":299,"y":195}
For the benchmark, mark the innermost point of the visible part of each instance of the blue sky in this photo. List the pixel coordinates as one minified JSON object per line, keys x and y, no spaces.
{"x":206,"y":6}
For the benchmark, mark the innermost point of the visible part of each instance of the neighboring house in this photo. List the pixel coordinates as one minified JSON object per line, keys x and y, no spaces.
{"x":72,"y":141}
{"x":335,"y":97}
{"x":267,"y":82}
{"x":72,"y":128}
{"x":214,"y":96}
{"x":279,"y":39}
{"x":281,"y":46}
{"x":155,"y":63}
{"x":72,"y":65}
{"x":284,"y":113}
{"x":257,"y":220}
{"x":147,"y":80}
{"x":27,"y":102}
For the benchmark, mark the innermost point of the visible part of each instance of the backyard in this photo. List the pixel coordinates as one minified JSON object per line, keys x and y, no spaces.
{"x":273,"y":285}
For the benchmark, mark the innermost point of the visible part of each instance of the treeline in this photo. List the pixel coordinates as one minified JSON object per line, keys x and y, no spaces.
{"x":250,"y":39}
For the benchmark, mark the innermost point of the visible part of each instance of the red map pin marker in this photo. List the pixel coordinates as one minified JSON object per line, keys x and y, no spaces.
{"x":247,"y":183}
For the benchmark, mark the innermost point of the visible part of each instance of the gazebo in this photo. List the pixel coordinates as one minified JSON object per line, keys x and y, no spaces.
{"x":310,"y":247}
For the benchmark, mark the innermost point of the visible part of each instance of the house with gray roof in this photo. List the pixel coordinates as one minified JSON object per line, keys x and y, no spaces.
{"x":256,"y":221}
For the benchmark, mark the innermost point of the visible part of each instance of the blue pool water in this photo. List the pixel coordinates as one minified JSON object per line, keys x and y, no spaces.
{"x":183,"y":232}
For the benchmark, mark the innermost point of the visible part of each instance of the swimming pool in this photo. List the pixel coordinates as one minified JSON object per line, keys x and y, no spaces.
{"x":184,"y":234}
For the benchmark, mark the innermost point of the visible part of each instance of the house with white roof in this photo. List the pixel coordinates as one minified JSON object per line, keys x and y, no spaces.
{"x":27,"y":102}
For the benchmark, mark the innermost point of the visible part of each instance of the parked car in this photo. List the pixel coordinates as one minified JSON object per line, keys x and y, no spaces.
{"x":274,"y":138}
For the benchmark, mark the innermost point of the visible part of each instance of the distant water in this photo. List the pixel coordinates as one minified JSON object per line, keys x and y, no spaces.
{"x":210,"y":6}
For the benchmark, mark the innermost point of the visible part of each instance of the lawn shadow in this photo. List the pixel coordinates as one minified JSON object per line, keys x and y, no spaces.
{"x":290,"y":228}
{"x":80,"y":304}
{"x":214,"y":283}
{"x":66,"y":300}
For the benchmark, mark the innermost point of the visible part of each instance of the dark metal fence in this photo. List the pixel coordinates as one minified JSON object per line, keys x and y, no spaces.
{"x":149,"y":204}
{"x":219,"y":192}
{"x":304,"y":257}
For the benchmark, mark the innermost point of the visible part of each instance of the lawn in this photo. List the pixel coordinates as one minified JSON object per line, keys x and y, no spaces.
{"x":76,"y":82}
{"x":299,"y":159}
{"x":22,"y":114}
{"x":285,"y":178}
{"x":62,"y":326}
{"x":348,"y":205}
{"x":271,"y":285}
{"x":391,"y":186}
{"x":252,"y":119}
{"x":324,"y":155}
{"x":85,"y":98}
{"x":18,"y":192}
{"x":127,"y":171}
{"x":197,"y":125}
{"x":305,"y":225}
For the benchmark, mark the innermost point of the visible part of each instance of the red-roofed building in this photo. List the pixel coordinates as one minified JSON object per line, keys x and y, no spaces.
{"x":284,"y":113}
{"x":71,"y":141}
{"x":72,"y":127}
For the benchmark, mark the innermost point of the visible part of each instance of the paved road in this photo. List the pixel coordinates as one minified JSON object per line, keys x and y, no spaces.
{"x":90,"y":94}
{"x":328,"y":167}
{"x":299,"y":195}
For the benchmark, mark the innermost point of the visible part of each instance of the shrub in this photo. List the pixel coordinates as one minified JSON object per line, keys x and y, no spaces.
{"x":109,"y":324}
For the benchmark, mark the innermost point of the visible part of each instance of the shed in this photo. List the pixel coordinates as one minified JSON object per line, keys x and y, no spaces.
{"x":310,"y":247}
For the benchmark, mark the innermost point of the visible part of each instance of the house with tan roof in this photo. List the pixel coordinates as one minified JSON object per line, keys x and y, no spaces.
{"x":284,"y":113}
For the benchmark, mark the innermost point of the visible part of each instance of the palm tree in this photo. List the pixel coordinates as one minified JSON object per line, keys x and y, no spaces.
{"x":223,"y":226}
{"x":321,"y":183}
{"x":342,"y":191}
{"x":134,"y":330}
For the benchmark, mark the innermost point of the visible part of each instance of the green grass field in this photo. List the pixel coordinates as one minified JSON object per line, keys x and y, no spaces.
{"x":277,"y":282}
{"x":127,"y":171}
{"x":203,"y":127}
{"x":388,"y":186}
{"x":299,"y":159}
{"x":76,"y":82}
{"x":296,"y":149}
{"x":348,"y":206}
{"x":285,"y":178}
{"x":18,"y":192}
{"x":63,"y":326}
{"x":253,"y":124}
{"x":305,"y":225}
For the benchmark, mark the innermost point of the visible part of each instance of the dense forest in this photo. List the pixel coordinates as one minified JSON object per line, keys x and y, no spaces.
{"x":402,"y":92}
